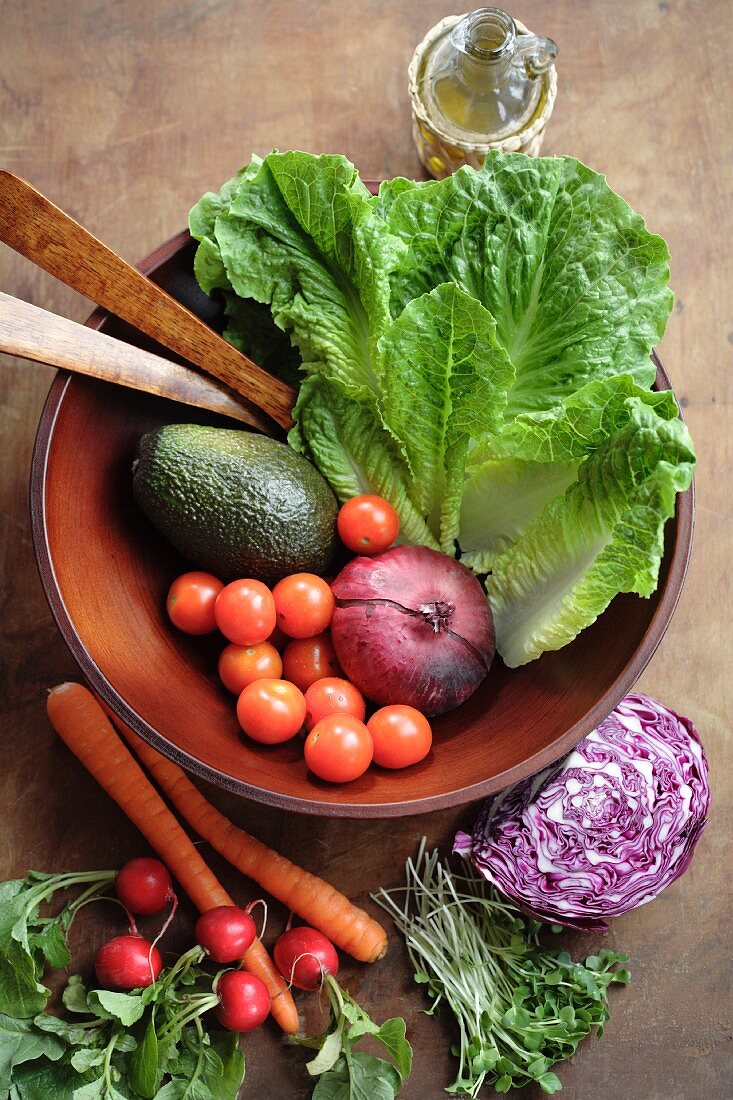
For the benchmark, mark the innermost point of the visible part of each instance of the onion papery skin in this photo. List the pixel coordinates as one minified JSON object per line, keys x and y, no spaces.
{"x":412,"y":626}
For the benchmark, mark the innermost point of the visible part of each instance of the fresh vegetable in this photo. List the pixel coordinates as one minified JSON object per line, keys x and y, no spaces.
{"x":519,"y":1007}
{"x":338,"y":748}
{"x":83,"y":726}
{"x":306,"y":660}
{"x":226,"y":933}
{"x":245,"y":612}
{"x":304,"y":956}
{"x":475,"y":350}
{"x":244,"y":1001}
{"x":241,"y":665}
{"x":190,"y":602}
{"x":144,"y":886}
{"x":111,"y":1045}
{"x":127,"y":962}
{"x":367,"y":524}
{"x":304,"y":605}
{"x":401,"y":736}
{"x":348,"y":1073}
{"x":317,"y":902}
{"x":604,"y":830}
{"x":332,"y":695}
{"x":271,"y":711}
{"x":29,"y":942}
{"x":412,"y":626}
{"x":235,"y":503}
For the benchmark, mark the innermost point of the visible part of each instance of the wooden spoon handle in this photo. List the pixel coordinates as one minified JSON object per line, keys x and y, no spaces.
{"x":33,"y":333}
{"x":33,"y":226}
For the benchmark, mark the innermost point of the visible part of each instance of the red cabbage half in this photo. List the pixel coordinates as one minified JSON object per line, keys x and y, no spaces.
{"x":606,"y":829}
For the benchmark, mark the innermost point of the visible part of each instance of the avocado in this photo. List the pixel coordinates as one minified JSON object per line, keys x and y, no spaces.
{"x":234,"y":503}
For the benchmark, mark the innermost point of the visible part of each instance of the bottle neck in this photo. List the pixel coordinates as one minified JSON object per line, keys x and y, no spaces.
{"x":486,"y":44}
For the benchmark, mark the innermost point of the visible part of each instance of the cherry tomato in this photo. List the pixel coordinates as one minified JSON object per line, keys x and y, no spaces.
{"x":245,"y":612}
{"x":127,"y":962}
{"x":271,"y":711}
{"x":338,"y":748}
{"x":240,"y":665}
{"x":190,"y":602}
{"x":306,"y":660}
{"x":332,"y":695}
{"x":303,"y":956}
{"x":368,"y":524}
{"x":244,"y":1002}
{"x":401,"y":736}
{"x":304,"y":605}
{"x":226,"y":933}
{"x":144,"y":886}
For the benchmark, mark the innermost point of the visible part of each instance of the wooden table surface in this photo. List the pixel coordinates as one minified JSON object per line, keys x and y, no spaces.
{"x":124,"y":113}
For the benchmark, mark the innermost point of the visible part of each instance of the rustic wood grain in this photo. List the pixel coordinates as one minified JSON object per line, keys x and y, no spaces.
{"x":42,"y":337}
{"x":43,"y":233}
{"x":125,"y":113}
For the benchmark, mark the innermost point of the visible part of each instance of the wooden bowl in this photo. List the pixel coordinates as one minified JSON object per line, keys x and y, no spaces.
{"x":106,"y":572}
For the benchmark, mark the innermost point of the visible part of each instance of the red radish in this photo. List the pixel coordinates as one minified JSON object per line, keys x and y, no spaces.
{"x":127,"y":962}
{"x":304,"y":956}
{"x":144,"y":886}
{"x":226,"y":933}
{"x":412,"y":626}
{"x":244,"y":1002}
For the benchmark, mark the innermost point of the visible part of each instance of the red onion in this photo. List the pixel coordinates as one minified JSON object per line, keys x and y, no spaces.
{"x":412,"y":626}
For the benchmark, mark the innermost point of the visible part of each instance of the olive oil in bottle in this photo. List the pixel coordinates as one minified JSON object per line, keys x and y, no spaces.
{"x":478,"y":82}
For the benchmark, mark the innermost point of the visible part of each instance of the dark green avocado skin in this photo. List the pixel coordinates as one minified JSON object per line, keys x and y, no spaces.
{"x":234,"y":503}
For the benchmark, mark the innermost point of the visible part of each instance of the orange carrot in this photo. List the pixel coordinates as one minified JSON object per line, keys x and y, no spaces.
{"x":310,"y":897}
{"x":81,"y":723}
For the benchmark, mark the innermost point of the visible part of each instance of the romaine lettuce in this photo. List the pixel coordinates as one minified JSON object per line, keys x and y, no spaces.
{"x":476,"y":350}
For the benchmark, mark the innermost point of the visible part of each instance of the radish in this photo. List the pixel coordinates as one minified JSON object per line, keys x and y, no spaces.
{"x":144,"y":886}
{"x":304,"y":956}
{"x":412,"y":627}
{"x":244,"y":1002}
{"x":127,"y":962}
{"x":226,"y":933}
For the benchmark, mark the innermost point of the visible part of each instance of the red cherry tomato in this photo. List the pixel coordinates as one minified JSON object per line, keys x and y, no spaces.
{"x":144,"y":886}
{"x":240,"y":665}
{"x":245,"y":612}
{"x":127,"y":962}
{"x":401,"y":736}
{"x":271,"y":711}
{"x":244,"y":1002}
{"x":190,"y":602}
{"x":368,"y":524}
{"x":332,"y":695}
{"x":306,"y":660}
{"x":304,"y":605}
{"x":303,"y":956}
{"x":338,"y":748}
{"x":226,"y":933}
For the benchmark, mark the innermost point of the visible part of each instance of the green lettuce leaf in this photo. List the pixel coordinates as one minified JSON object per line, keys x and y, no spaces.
{"x":301,"y":235}
{"x":577,"y":284}
{"x":513,"y":475}
{"x":354,"y":451}
{"x":603,"y":536}
{"x":444,"y":383}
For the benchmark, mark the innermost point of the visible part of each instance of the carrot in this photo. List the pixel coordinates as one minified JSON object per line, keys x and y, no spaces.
{"x":318,"y":903}
{"x":83,"y":726}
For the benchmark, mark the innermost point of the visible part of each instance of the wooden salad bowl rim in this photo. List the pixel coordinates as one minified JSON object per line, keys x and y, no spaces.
{"x":667,"y":602}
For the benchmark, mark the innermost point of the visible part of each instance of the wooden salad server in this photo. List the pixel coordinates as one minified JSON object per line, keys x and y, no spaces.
{"x":40,"y":231}
{"x":33,"y":333}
